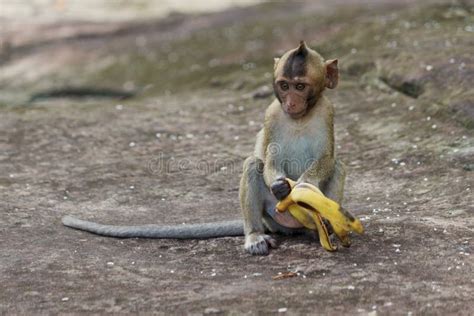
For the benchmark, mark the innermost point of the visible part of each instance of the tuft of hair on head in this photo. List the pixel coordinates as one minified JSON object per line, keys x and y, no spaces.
{"x":302,"y":49}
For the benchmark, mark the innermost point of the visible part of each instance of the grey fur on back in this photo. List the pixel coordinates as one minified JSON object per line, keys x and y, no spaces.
{"x":190,"y":231}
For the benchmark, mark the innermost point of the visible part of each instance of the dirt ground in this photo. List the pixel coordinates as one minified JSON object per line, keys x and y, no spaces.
{"x":173,"y":153}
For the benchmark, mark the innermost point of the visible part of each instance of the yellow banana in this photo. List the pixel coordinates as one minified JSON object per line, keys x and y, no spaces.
{"x":323,"y":233}
{"x":313,"y":221}
{"x":308,"y":205}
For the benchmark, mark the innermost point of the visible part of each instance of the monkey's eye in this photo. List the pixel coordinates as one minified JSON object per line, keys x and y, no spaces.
{"x":300,"y":86}
{"x":284,"y":86}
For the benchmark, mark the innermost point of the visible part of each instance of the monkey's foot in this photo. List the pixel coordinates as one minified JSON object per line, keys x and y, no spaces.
{"x":259,"y":244}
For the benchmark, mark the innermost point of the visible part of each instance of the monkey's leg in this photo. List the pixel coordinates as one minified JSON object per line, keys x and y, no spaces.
{"x":252,"y":195}
{"x":334,"y":189}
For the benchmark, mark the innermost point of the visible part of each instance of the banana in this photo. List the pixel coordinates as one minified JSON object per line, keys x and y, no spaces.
{"x":313,"y":221}
{"x":308,"y":205}
{"x":323,"y":233}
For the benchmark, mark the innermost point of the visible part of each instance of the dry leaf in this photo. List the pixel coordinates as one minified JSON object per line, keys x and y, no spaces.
{"x":285,"y":275}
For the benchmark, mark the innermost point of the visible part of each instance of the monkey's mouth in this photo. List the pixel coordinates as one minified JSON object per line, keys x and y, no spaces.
{"x":296,"y":115}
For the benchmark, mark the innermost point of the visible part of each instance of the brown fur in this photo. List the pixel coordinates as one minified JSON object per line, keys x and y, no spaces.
{"x":297,"y":142}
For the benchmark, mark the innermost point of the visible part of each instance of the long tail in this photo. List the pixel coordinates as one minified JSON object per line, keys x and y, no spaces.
{"x":191,"y":231}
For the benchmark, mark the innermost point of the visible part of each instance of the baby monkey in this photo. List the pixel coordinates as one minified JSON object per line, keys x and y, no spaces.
{"x":296,"y":142}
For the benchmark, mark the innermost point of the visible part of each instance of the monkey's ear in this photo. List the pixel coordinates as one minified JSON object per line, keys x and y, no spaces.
{"x":332,"y":73}
{"x":276,"y":60}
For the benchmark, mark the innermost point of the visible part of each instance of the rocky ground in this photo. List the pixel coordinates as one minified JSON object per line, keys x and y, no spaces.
{"x":172,"y":152}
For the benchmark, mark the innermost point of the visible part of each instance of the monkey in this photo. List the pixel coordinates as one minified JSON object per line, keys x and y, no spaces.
{"x":296,"y":142}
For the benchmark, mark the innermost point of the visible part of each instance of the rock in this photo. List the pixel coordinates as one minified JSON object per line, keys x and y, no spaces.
{"x":262,"y":92}
{"x":211,"y":310}
{"x":238,"y":85}
{"x":468,"y":167}
{"x":409,"y":86}
{"x":358,"y":68}
{"x":464,"y":112}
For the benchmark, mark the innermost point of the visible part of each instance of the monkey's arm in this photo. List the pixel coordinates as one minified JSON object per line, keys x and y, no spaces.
{"x":275,"y":179}
{"x":319,"y":171}
{"x":191,"y":231}
{"x":271,"y":172}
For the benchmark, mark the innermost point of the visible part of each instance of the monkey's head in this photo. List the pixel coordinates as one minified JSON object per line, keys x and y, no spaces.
{"x":300,"y":77}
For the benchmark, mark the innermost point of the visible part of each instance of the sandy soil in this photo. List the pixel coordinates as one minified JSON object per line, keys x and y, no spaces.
{"x":173,"y":154}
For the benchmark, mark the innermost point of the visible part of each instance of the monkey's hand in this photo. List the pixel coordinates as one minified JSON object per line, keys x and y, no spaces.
{"x":281,"y":188}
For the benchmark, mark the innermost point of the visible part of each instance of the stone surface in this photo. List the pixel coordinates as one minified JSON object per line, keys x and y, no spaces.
{"x":173,"y":154}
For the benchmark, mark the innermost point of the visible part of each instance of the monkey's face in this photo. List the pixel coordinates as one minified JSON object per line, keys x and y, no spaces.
{"x":296,"y":95}
{"x":300,"y":77}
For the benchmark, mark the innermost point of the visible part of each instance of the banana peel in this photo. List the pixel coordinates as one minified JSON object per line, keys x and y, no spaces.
{"x":308,"y":205}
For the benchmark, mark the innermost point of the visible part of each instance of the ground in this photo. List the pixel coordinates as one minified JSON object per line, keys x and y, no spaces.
{"x":173,"y":153}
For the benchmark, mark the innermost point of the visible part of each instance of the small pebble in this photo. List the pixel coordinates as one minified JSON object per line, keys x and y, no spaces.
{"x":211,"y":310}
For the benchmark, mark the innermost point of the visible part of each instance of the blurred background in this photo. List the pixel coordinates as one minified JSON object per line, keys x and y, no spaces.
{"x":130,"y":47}
{"x":106,"y":10}
{"x":143,"y":111}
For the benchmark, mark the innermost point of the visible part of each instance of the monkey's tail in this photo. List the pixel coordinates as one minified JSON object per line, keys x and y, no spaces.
{"x":190,"y":231}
